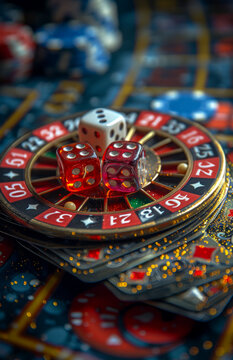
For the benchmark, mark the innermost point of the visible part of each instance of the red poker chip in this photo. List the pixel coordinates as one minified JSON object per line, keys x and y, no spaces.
{"x":6,"y":249}
{"x":224,"y":47}
{"x":10,"y":32}
{"x":147,"y":325}
{"x":222,"y":117}
{"x":94,"y":316}
{"x":16,"y":51}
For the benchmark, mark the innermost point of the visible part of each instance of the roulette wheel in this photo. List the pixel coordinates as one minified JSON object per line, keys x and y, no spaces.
{"x":185,"y":167}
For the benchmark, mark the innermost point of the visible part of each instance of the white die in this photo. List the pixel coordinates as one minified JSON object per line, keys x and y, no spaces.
{"x":100,"y":127}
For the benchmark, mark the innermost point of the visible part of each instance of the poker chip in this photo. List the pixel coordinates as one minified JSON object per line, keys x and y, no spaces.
{"x":221,"y":120}
{"x":99,"y":14}
{"x":144,"y":324}
{"x":16,"y":51}
{"x":193,"y":105}
{"x":6,"y":249}
{"x":72,"y":48}
{"x":21,"y":282}
{"x":54,"y":307}
{"x":94,"y":318}
{"x":224,"y":47}
{"x":103,"y":15}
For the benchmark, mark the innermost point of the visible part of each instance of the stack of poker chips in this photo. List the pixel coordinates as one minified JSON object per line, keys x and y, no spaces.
{"x":70,"y":48}
{"x":16,"y":51}
{"x":72,"y":38}
{"x":80,"y":39}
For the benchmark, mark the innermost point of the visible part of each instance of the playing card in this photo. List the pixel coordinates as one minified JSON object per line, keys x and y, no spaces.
{"x":202,"y":297}
{"x":204,"y":315}
{"x":90,"y":273}
{"x":194,"y":262}
{"x":100,"y":263}
{"x":201,"y":260}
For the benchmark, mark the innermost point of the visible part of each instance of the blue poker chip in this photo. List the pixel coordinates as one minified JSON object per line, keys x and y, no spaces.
{"x":193,"y":105}
{"x":103,"y":15}
{"x":100,"y":14}
{"x":65,"y":36}
{"x":71,"y":47}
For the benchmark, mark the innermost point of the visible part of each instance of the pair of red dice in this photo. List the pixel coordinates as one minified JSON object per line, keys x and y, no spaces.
{"x":123,"y":166}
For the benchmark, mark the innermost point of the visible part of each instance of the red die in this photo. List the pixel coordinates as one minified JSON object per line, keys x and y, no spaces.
{"x":79,"y":166}
{"x":124,"y":166}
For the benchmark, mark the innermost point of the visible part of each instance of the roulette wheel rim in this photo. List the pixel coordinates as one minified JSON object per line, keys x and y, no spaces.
{"x":137,"y":227}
